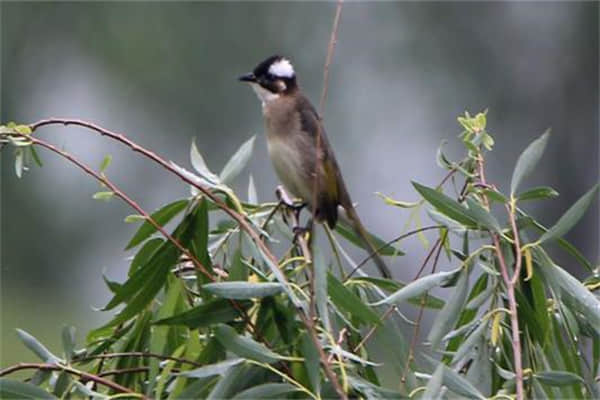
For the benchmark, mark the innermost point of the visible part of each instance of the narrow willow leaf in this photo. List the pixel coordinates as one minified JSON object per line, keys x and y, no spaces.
{"x":459,"y":385}
{"x":418,"y":287}
{"x":19,"y":162}
{"x":200,"y":165}
{"x":103,"y":196}
{"x":243,"y":290}
{"x":483,"y":216}
{"x":12,"y":389}
{"x":558,"y":378}
{"x":237,"y":162}
{"x":528,"y":160}
{"x":346,"y":300}
{"x":448,"y":316}
{"x":68,"y":342}
{"x":87,"y":392}
{"x":213,"y":369}
{"x":37,"y":347}
{"x":209,"y":313}
{"x":470,"y":342}
{"x":447,"y":206}
{"x":236,"y":379}
{"x":371,"y":391}
{"x":134,"y":218}
{"x":35,"y":156}
{"x":62,"y":383}
{"x":495,"y":196}
{"x":383,"y":249}
{"x":482,"y":297}
{"x":105,"y":163}
{"x":267,"y":391}
{"x":571,"y":217}
{"x":402,"y":204}
{"x":244,"y":346}
{"x":320,"y":286}
{"x":586,"y":302}
{"x":434,"y":386}
{"x":540,"y":192}
{"x":311,"y":361}
{"x":161,"y":216}
{"x":276,"y":271}
{"x":252,"y":196}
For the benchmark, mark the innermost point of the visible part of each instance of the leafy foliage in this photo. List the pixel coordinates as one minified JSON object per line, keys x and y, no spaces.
{"x":208,"y":312}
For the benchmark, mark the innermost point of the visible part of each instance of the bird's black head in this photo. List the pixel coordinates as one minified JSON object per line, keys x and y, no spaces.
{"x":275,"y":74}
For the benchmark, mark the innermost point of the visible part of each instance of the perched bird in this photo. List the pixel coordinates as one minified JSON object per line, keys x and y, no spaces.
{"x":292,"y":127}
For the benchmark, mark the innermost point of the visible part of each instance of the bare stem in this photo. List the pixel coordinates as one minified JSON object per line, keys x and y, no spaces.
{"x":510,"y":286}
{"x":83,"y":375}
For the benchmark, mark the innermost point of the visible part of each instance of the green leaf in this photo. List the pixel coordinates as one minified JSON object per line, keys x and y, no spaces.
{"x":528,"y":160}
{"x":19,"y":162}
{"x":446,"y":205}
{"x":62,"y":384}
{"x":382,"y":248}
{"x":391,"y":285}
{"x":243,"y":290}
{"x":36,"y":156}
{"x":448,"y":316}
{"x":209,"y":313}
{"x":161,"y":216}
{"x":281,"y":279}
{"x":105,"y":163}
{"x":460,"y":385}
{"x":37,"y":347}
{"x":434,"y":386}
{"x":244,"y":346}
{"x":397,"y":203}
{"x":11,"y":389}
{"x":211,"y":370}
{"x":540,"y":192}
{"x":418,"y":287}
{"x":144,"y":254}
{"x":469,"y":342}
{"x":237,"y":162}
{"x":483,"y":216}
{"x":200,"y":165}
{"x":558,"y":378}
{"x":103,"y":196}
{"x":134,"y":218}
{"x":571,"y":217}
{"x":346,"y":300}
{"x":320,"y":287}
{"x":252,"y":196}
{"x":371,"y":391}
{"x":267,"y":391}
{"x":68,"y":341}
{"x":495,"y":196}
{"x":311,"y":360}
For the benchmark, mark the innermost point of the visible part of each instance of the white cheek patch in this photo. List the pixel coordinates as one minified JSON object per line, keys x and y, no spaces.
{"x":282,"y":68}
{"x":263,"y":94}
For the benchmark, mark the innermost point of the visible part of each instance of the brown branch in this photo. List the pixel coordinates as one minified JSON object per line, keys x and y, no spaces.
{"x":83,"y":375}
{"x":120,"y":194}
{"x":388,"y":243}
{"x":329,"y":59}
{"x":239,"y":218}
{"x":413,"y":343}
{"x":510,"y":287}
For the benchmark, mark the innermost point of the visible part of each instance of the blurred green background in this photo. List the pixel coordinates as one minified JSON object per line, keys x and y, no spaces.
{"x":164,"y":73}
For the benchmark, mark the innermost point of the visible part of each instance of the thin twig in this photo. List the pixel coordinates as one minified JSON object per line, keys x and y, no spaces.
{"x":389,"y":243}
{"x":413,"y":344}
{"x":85,"y":376}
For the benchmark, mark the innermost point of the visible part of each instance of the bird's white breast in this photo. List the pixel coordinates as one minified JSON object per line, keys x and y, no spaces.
{"x":287,"y":162}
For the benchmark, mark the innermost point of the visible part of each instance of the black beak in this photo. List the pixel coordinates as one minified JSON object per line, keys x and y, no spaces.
{"x":248,"y":77}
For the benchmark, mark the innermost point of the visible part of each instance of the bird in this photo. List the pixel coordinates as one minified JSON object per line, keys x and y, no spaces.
{"x":292,"y":127}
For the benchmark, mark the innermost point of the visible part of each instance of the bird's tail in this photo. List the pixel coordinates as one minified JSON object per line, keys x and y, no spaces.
{"x":364,"y":236}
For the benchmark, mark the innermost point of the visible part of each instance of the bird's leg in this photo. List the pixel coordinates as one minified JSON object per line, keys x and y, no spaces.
{"x":303,"y":231}
{"x":295,"y":207}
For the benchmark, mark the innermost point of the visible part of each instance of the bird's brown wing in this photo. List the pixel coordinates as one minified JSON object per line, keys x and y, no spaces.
{"x":331,"y":189}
